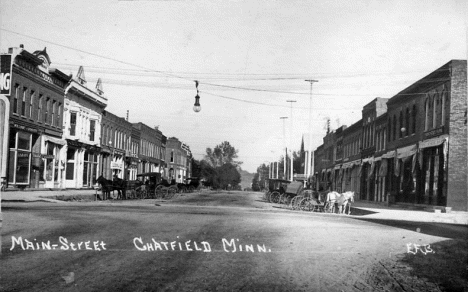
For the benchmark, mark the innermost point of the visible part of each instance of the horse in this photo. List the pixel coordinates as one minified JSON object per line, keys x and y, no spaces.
{"x":342,"y":200}
{"x":108,"y":186}
{"x":347,"y":198}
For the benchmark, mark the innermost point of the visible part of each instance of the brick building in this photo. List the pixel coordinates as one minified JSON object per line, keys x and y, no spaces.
{"x":115,"y":145}
{"x":412,"y":148}
{"x":36,"y":112}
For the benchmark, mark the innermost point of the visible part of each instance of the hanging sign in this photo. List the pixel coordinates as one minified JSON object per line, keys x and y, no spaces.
{"x":5,"y":74}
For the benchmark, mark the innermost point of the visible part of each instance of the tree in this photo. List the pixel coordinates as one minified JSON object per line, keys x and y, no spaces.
{"x":227,"y":175}
{"x":260,"y":177}
{"x":222,"y":154}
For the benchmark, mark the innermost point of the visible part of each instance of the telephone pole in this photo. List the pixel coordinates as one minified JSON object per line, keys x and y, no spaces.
{"x":284,"y":146}
{"x":310,"y":157}
{"x":291,"y":138}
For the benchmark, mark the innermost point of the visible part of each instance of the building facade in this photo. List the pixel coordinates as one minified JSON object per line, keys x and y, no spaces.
{"x":82,"y":132}
{"x":36,"y":112}
{"x":152,"y":149}
{"x":409,"y":149}
{"x":116,"y":135}
{"x":176,"y":157}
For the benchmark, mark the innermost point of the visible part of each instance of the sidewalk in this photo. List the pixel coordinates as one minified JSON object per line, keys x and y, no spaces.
{"x":370,"y":211}
{"x":57,"y":196}
{"x":362,"y":210}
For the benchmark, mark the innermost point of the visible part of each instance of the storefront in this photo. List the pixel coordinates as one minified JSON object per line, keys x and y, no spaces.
{"x":433,"y":169}
{"x":24,"y":167}
{"x":53,"y":165}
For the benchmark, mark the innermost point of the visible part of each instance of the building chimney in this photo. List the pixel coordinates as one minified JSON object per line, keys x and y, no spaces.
{"x":127,"y":115}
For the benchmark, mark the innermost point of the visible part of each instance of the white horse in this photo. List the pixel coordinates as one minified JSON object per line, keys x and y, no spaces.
{"x":346,"y":198}
{"x":342,"y":200}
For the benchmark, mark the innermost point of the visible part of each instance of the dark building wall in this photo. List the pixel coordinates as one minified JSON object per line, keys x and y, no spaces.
{"x":457,"y":159}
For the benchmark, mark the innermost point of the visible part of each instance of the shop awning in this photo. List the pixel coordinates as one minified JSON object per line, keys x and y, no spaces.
{"x":338,"y":166}
{"x":406,"y":151}
{"x":389,"y":154}
{"x":54,"y":140}
{"x":433,"y":142}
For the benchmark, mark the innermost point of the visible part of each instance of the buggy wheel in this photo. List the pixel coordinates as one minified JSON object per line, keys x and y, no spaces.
{"x":305,"y":204}
{"x":292,"y":204}
{"x":281,"y":198}
{"x":274,"y":197}
{"x":171,"y":193}
{"x":158,"y":191}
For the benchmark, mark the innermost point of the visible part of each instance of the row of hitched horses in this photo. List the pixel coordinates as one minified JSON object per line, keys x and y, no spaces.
{"x":120,"y":185}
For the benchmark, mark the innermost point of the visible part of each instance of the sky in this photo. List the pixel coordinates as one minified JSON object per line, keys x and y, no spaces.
{"x":249,"y":57}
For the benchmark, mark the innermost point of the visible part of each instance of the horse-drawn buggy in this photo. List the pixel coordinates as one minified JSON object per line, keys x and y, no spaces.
{"x":282,"y":191}
{"x":328,"y":202}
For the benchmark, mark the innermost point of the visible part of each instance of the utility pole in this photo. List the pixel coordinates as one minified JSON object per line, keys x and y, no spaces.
{"x":291,"y":138}
{"x":310,"y":157}
{"x":284,"y":146}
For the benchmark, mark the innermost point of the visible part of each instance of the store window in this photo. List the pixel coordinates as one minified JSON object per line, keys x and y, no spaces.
{"x":70,"y":173}
{"x":51,"y":162}
{"x":20,"y":157}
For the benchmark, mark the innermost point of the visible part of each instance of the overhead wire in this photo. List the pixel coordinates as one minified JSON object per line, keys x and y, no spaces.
{"x":177,"y":76}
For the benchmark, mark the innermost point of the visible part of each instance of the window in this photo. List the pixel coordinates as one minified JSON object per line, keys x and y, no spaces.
{"x":413,"y":112}
{"x":20,"y":157}
{"x":46,"y":111}
{"x":23,"y":102}
{"x":31,"y":103}
{"x":92,"y":129}
{"x":53,"y":120}
{"x":172,"y":156}
{"x":400,"y":125}
{"x":39,"y":108}
{"x":59,"y":117}
{"x":394,"y":128}
{"x":407,"y":120}
{"x":15,"y":100}
{"x":72,"y":123}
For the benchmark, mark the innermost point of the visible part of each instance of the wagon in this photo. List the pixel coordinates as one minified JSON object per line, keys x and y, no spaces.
{"x":282,"y":191}
{"x":276,"y":187}
{"x":147,"y":187}
{"x":311,"y":201}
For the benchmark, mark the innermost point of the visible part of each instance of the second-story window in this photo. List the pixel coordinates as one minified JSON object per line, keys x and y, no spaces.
{"x":92,"y":129}
{"x":72,"y":123}
{"x":407,"y":120}
{"x":46,"y":111}
{"x":39,"y":108}
{"x":31,"y":104}
{"x":15,"y":99}
{"x":23,"y":102}
{"x":53,"y":120}
{"x":172,"y":156}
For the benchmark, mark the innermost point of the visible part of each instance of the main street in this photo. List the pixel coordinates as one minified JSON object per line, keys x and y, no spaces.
{"x":224,"y":241}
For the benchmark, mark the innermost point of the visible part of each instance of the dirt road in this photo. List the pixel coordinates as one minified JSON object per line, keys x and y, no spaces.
{"x":230,"y":241}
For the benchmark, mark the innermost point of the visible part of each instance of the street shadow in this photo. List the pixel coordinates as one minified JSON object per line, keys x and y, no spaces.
{"x":454,"y":231}
{"x":361,"y":212}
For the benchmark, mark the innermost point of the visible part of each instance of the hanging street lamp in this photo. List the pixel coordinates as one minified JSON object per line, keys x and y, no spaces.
{"x":196,"y":106}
